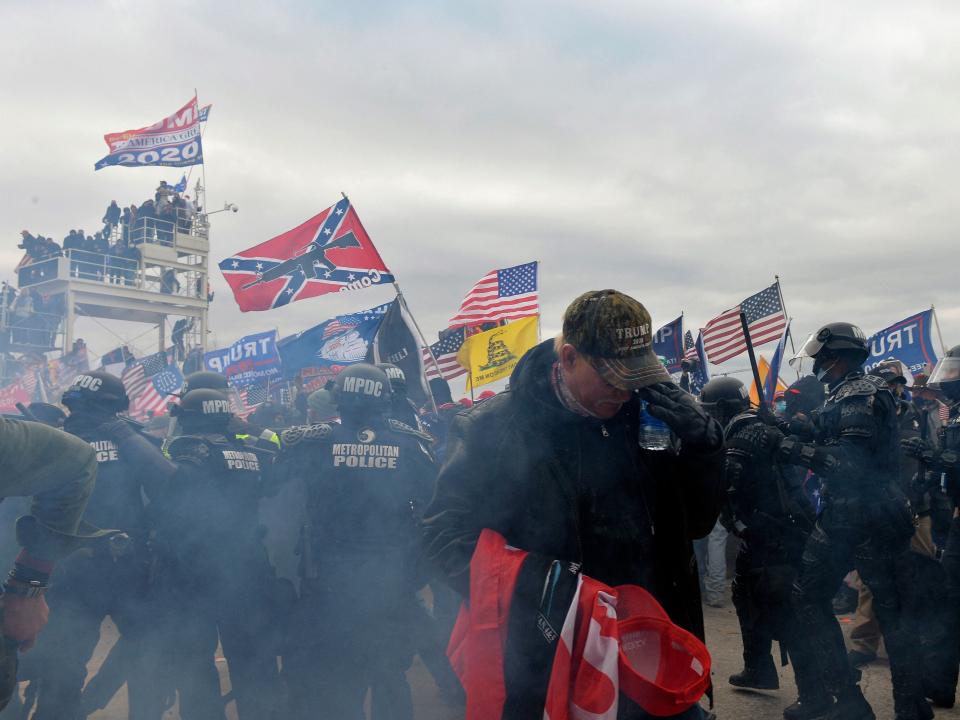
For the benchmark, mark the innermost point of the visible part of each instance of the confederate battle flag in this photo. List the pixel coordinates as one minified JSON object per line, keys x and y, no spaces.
{"x":327,"y":253}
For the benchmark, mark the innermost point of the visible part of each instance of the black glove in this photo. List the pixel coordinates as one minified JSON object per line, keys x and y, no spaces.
{"x":789,"y":449}
{"x":762,"y":440}
{"x":801,"y":426}
{"x":766,"y":414}
{"x":915,"y":447}
{"x":683,"y":414}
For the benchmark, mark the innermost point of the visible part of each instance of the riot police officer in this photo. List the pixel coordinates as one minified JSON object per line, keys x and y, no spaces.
{"x":219,"y":577}
{"x":866,"y":522}
{"x":402,"y":407}
{"x":263,"y":438}
{"x":367,"y":479}
{"x":109,"y":580}
{"x":940,"y":464}
{"x":945,"y":455}
{"x":768,"y":511}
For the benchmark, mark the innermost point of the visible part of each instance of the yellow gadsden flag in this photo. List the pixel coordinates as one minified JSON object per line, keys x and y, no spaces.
{"x":491,"y":355}
{"x":764,"y":367}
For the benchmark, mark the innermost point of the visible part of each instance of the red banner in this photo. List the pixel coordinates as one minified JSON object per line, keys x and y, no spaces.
{"x":11,"y":395}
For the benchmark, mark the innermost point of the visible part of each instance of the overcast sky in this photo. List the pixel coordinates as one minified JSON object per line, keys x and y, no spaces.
{"x":683,"y":151}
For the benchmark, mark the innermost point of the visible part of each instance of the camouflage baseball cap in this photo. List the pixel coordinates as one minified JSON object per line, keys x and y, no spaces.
{"x":615,"y":332}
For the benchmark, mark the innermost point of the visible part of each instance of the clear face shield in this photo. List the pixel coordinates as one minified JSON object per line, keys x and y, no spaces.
{"x":809,"y":349}
{"x":813,"y":349}
{"x":947,"y":370}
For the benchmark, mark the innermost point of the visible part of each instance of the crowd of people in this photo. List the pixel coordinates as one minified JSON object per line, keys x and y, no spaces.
{"x":112,"y":252}
{"x":32,"y":318}
{"x":324,"y":542}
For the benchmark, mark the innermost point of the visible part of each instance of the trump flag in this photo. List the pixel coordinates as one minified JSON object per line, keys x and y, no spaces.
{"x":330,"y":252}
{"x":909,"y":341}
{"x":172,"y":142}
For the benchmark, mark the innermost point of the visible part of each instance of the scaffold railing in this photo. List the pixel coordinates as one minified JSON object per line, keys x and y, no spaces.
{"x":113,"y":270}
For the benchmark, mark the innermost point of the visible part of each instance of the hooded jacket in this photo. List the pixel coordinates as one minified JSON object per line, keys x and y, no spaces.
{"x":558,"y":484}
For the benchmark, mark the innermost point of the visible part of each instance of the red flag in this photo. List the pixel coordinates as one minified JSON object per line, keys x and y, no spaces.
{"x":12,"y":394}
{"x":328,"y":253}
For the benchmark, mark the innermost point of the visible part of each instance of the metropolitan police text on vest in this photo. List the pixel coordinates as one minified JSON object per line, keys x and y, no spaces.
{"x":358,"y":455}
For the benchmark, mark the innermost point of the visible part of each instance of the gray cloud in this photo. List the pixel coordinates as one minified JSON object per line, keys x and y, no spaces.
{"x":683,"y":151}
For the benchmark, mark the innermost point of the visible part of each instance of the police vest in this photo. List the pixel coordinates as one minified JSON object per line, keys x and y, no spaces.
{"x":116,"y":501}
{"x":950,"y":435}
{"x":221,"y":482}
{"x":363,"y":487}
{"x":863,"y":410}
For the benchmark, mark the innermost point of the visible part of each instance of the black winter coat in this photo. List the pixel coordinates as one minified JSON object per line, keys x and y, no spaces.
{"x":574,"y":488}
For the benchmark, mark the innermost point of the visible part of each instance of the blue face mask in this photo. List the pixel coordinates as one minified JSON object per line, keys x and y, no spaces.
{"x":822,"y":371}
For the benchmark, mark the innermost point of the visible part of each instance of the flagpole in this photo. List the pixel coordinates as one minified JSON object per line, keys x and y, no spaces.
{"x":539,"y":338}
{"x":203,"y":165}
{"x":936,"y":322}
{"x":753,"y":359}
{"x":784,"y":306}
{"x":793,"y":348}
{"x":416,"y":325}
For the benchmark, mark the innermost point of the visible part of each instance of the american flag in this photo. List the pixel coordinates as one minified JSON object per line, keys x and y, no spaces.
{"x":445,"y":351}
{"x":508,"y":294}
{"x":689,"y":347}
{"x":694,"y":351}
{"x":137,"y":379}
{"x":723,"y":336}
{"x":251,"y":397}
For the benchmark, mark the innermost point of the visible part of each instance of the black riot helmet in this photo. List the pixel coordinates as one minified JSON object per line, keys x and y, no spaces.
{"x":724,"y":398}
{"x":362,"y":390}
{"x":804,"y":396}
{"x":96,"y":390}
{"x":835,"y":342}
{"x":203,"y":409}
{"x":398,"y":380}
{"x":945,"y":377}
{"x":204,"y":379}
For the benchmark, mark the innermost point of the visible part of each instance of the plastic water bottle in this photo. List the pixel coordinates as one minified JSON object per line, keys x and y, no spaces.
{"x":654,"y":432}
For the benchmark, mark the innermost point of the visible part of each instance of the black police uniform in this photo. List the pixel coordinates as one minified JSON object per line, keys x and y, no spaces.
{"x":768,"y":510}
{"x":90,"y":585}
{"x":940,"y":635}
{"x":366,"y":482}
{"x":218,"y":576}
{"x":866,"y":523}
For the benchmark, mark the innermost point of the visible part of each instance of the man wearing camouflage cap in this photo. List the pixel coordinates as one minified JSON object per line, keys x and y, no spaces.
{"x":554,"y":465}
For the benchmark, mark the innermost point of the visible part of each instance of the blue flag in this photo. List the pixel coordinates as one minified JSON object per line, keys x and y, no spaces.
{"x":770,"y":383}
{"x":701,"y":376}
{"x":182,"y":185}
{"x":168,"y":380}
{"x":343,"y":340}
{"x":668,"y":344}
{"x":908,"y":341}
{"x":251,"y":360}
